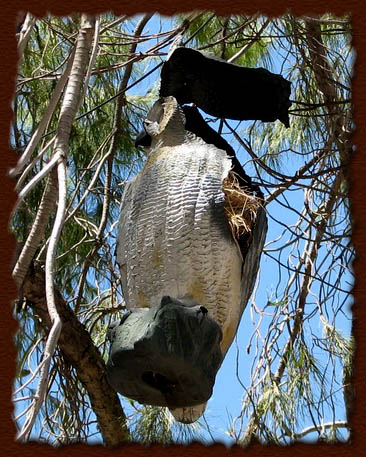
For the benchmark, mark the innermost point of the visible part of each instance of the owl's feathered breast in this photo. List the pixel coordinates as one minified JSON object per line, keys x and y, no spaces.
{"x":174,"y":238}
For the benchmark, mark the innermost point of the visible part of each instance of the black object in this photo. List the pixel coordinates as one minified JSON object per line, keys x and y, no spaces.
{"x":166,"y":356}
{"x":225,"y":90}
{"x":143,"y":139}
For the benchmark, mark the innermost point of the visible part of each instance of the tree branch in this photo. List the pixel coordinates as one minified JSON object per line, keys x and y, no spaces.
{"x":79,"y":350}
{"x":47,"y":204}
{"x":25,"y":33}
{"x":68,"y":111}
{"x":120,"y":103}
{"x":304,"y":290}
{"x":45,"y":119}
{"x":325,"y":78}
{"x":316,"y":428}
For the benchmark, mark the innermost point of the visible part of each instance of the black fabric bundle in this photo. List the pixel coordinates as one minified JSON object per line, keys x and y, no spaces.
{"x":225,"y":90}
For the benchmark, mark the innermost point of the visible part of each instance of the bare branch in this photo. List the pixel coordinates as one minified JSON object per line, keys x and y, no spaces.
{"x":307,"y":279}
{"x":37,"y":232}
{"x":244,"y":49}
{"x":45,"y":119}
{"x":25,"y":33}
{"x":75,"y":342}
{"x":68,"y":111}
{"x":316,"y":428}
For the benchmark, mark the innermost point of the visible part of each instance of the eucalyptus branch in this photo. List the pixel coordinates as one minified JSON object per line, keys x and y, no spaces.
{"x":25,"y":33}
{"x":45,"y":119}
{"x":30,"y":166}
{"x":256,"y":159}
{"x":52,"y":74}
{"x":298,"y":175}
{"x":51,"y":305}
{"x":92,"y":60}
{"x":316,"y":428}
{"x":37,"y":232}
{"x":307,"y":279}
{"x":94,"y":179}
{"x":35,"y":180}
{"x":257,"y":36}
{"x":68,"y":110}
{"x":34,"y":374}
{"x":117,"y":21}
{"x":39,"y":396}
{"x":227,"y":36}
{"x":327,"y":83}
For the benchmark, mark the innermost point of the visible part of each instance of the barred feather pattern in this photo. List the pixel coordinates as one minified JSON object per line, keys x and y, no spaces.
{"x":174,"y":238}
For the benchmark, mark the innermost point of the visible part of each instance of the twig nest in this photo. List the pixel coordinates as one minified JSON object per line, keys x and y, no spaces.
{"x":241,"y":206}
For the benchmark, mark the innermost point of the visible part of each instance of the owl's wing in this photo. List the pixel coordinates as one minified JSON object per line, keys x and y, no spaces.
{"x":253,"y":255}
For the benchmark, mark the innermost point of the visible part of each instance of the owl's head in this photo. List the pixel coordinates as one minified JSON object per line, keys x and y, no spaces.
{"x":164,"y":123}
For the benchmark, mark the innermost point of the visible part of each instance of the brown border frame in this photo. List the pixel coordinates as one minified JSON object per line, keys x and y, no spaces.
{"x":8,"y":62}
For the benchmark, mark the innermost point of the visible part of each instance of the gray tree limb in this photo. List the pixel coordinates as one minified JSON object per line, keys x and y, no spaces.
{"x":79,"y":350}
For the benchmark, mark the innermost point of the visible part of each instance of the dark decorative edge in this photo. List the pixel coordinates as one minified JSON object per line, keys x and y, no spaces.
{"x":8,"y":61}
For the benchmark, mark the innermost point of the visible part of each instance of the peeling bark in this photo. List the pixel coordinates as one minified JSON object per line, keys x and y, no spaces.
{"x":36,"y":234}
{"x":326,"y":80}
{"x":78,"y":349}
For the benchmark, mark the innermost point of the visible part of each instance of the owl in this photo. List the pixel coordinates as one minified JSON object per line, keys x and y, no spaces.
{"x":186,"y":270}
